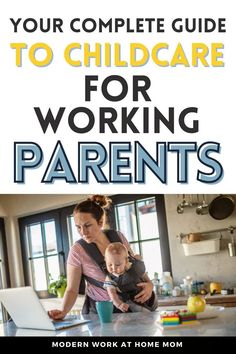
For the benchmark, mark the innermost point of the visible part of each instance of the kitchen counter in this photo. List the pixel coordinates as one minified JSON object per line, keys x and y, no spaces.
{"x":172,"y":300}
{"x":215,"y":300}
{"x":223,"y":300}
{"x":137,"y":325}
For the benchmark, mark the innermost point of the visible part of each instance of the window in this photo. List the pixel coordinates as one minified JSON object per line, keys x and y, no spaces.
{"x":45,"y":245}
{"x":72,"y":230}
{"x":42,"y":252}
{"x":141,"y":218}
{"x":4,"y":269}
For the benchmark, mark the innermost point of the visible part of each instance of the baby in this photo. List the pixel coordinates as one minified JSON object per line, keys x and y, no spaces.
{"x":125,"y":272}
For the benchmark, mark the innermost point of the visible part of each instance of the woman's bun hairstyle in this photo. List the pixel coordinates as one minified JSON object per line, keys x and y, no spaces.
{"x":102,"y":200}
{"x":95,"y":205}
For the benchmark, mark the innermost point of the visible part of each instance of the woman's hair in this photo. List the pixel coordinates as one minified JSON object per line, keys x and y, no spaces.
{"x":95,"y":205}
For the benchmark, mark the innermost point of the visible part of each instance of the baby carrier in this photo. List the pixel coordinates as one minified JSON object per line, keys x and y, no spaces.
{"x":92,"y":250}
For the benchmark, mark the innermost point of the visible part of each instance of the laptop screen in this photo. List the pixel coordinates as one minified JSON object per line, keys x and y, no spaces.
{"x":26,"y":310}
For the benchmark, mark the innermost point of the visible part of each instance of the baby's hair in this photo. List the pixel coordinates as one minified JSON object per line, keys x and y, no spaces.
{"x":116,"y":248}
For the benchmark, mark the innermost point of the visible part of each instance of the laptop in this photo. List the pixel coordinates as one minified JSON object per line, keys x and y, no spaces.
{"x":26,"y":310}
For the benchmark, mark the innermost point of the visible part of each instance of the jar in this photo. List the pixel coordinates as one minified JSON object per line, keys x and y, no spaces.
{"x":187,"y":285}
{"x":166,"y":283}
{"x":176,"y":291}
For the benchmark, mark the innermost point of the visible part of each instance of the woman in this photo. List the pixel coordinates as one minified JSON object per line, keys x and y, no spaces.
{"x":89,"y":217}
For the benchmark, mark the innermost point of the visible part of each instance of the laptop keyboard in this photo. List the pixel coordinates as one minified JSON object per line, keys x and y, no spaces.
{"x":70,"y":321}
{"x":63,"y":324}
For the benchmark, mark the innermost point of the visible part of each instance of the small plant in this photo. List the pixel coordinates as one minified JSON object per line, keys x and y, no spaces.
{"x":57,"y":287}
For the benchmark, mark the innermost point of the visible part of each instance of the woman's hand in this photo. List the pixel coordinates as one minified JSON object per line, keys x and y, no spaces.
{"x":56,"y":314}
{"x":145,"y":293}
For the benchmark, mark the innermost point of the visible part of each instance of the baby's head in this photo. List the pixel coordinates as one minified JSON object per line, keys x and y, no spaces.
{"x":117,"y":258}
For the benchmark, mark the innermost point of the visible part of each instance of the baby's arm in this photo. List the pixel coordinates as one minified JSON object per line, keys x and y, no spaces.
{"x":110,"y":286}
{"x":116,"y":300}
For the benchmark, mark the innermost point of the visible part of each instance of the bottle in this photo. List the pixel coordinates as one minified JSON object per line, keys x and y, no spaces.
{"x":155,"y":282}
{"x":187,"y":285}
{"x":176,"y":291}
{"x":166,"y":283}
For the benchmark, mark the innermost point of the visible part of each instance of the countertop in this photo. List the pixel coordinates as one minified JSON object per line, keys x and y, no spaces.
{"x":224,"y":300}
{"x":135,"y":325}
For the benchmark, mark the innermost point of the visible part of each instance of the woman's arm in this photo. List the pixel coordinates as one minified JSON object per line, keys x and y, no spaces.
{"x":71,"y":293}
{"x":72,"y":289}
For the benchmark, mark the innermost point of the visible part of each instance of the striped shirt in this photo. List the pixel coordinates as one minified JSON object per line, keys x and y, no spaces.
{"x":78,"y":258}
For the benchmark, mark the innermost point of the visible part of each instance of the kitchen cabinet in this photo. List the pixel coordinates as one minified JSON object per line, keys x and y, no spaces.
{"x":215,"y":300}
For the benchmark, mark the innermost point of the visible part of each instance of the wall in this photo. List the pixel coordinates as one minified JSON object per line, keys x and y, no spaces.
{"x":24,"y":204}
{"x":211,"y":267}
{"x":14,"y":206}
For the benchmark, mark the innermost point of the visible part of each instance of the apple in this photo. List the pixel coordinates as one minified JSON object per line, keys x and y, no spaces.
{"x":196,"y":303}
